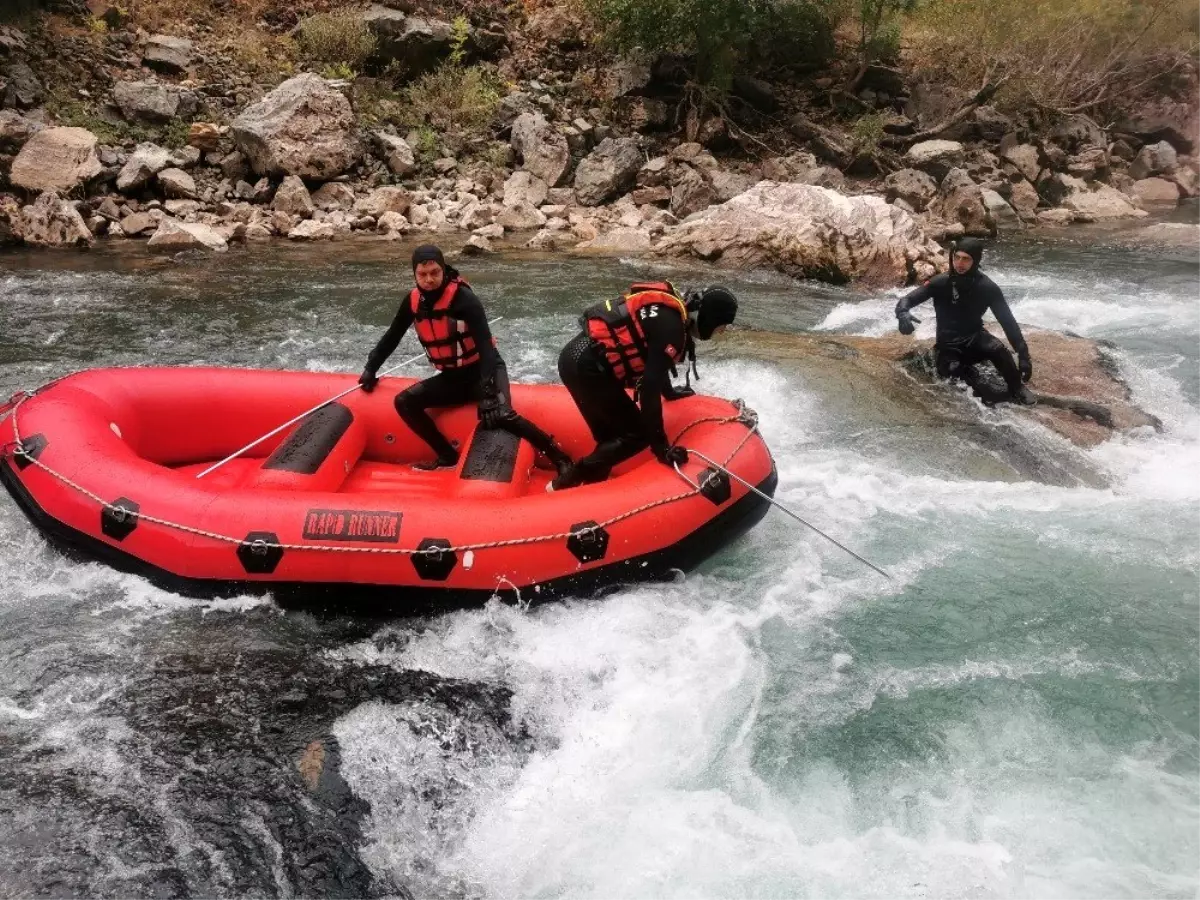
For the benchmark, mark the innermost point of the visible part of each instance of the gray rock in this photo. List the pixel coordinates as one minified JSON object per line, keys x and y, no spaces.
{"x":935,"y":157}
{"x":727,"y":185}
{"x":691,"y":194}
{"x":181,"y":208}
{"x":293,"y":198}
{"x":445,"y":164}
{"x":22,"y":89}
{"x":619,"y":240}
{"x":177,"y":184}
{"x":412,"y":45}
{"x":1155,"y":191}
{"x":141,"y":222}
{"x":310,"y":230}
{"x":1000,"y":212}
{"x":234,"y":166}
{"x":1024,"y":199}
{"x":146,"y":161}
{"x":628,"y":74}
{"x":164,"y":53}
{"x":524,"y":187}
{"x":1099,"y":203}
{"x":185,"y":158}
{"x":173,"y":236}
{"x":384,"y":200}
{"x":654,"y":172}
{"x":1026,"y":158}
{"x":608,"y":171}
{"x":1078,"y":133}
{"x":521,"y":217}
{"x":913,"y":186}
{"x":51,"y":221}
{"x":16,"y":129}
{"x":1153,"y":159}
{"x":303,"y":127}
{"x":149,"y":101}
{"x":477,"y":245}
{"x":961,"y":200}
{"x":1091,"y":163}
{"x":396,"y":153}
{"x":543,"y":151}
{"x":333,"y":195}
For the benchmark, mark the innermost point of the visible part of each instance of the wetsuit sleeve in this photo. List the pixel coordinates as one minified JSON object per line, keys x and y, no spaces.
{"x":664,"y":335}
{"x":469,"y":309}
{"x":1008,"y":322}
{"x":391,"y":338}
{"x":914,"y":298}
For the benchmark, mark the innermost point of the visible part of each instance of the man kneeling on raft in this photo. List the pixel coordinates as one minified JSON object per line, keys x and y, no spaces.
{"x":635,"y":341}
{"x":960,"y":298}
{"x":454,"y":332}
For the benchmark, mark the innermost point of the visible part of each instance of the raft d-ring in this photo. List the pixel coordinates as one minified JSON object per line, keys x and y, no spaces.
{"x":433,"y":553}
{"x":259,"y":547}
{"x":588,"y":534}
{"x":118,"y":513}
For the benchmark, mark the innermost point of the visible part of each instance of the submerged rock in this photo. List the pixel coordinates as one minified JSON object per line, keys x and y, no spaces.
{"x":1081,"y":396}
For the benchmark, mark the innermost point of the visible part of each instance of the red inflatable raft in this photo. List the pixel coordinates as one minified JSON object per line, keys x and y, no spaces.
{"x":105,"y":464}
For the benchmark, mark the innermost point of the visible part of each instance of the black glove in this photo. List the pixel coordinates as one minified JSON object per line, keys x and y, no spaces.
{"x":906,"y":322}
{"x":368,"y":379}
{"x":493,"y":410}
{"x":1025,"y":364}
{"x":677,"y":393}
{"x":671,"y":456}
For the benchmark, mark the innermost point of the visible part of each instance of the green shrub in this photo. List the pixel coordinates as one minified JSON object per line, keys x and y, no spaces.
{"x":337,"y":38}
{"x":867,"y":132}
{"x":455,"y":99}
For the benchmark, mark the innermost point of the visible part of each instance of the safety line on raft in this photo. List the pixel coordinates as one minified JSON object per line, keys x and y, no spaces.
{"x":744,"y":416}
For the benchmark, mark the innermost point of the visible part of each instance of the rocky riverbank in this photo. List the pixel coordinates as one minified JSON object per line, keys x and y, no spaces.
{"x":256,"y":159}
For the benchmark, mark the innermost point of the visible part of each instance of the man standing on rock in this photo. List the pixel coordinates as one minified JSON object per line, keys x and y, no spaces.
{"x":960,"y":298}
{"x":453,"y":329}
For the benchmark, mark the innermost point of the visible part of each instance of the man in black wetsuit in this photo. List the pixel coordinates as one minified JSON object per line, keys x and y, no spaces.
{"x":960,"y":298}
{"x":453,"y":329}
{"x":635,"y":341}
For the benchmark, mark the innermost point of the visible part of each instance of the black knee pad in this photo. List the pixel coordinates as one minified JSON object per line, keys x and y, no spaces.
{"x":406,"y":402}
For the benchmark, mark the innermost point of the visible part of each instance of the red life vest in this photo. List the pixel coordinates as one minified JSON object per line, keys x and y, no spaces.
{"x":615,"y":326}
{"x":448,"y":341}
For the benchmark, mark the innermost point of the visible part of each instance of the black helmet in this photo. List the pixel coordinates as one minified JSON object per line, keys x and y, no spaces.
{"x":716,"y":306}
{"x":970,"y":246}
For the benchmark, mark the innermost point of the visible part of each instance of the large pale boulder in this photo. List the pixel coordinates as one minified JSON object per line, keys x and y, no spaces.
{"x":619,"y":240}
{"x":383,"y":200}
{"x":293,"y":198}
{"x":177,"y":184}
{"x":1156,"y":191}
{"x":56,"y":159}
{"x":1001,"y":213}
{"x":521,"y":217}
{"x":1153,"y":159}
{"x":691,"y":193}
{"x":396,"y":152}
{"x":303,"y":127}
{"x":51,"y":221}
{"x":809,"y":232}
{"x":164,"y":53}
{"x":1100,"y":202}
{"x":1026,"y":158}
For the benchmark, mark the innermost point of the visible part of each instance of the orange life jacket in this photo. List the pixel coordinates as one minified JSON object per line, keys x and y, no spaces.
{"x":448,"y":341}
{"x":615,"y":326}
